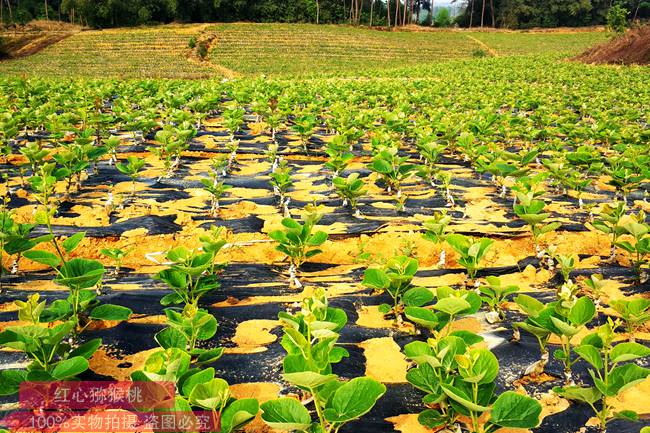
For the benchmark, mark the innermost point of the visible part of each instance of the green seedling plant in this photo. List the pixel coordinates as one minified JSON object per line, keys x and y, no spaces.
{"x":595,"y":284}
{"x":112,"y":143}
{"x":531,"y":210}
{"x":435,"y":364}
{"x":310,"y":339}
{"x":640,"y":232}
{"x":565,"y":263}
{"x":564,"y":318}
{"x":435,"y":230}
{"x":132,"y":169}
{"x":46,"y":345}
{"x":304,"y":125}
{"x":634,"y":313}
{"x":217,"y":189}
{"x":197,"y":388}
{"x":534,"y":324}
{"x":495,"y":295}
{"x":624,"y":176}
{"x":187,"y":326}
{"x":470,"y":250}
{"x":609,"y":222}
{"x":392,"y":168}
{"x":233,"y":119}
{"x":338,"y":155}
{"x":430,"y":152}
{"x":80,"y":276}
{"x":350,"y":189}
{"x":191,"y":275}
{"x":450,"y":304}
{"x":281,"y":182}
{"x":299,"y":242}
{"x":459,"y":381}
{"x":8,"y":134}
{"x":233,"y":147}
{"x":15,"y":240}
{"x":272,"y":156}
{"x":472,"y":392}
{"x":394,"y":278}
{"x":444,"y":178}
{"x":611,"y":373}
{"x":35,"y":154}
{"x":117,"y":255}
{"x":219,"y":166}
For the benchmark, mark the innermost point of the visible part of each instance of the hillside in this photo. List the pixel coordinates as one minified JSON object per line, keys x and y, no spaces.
{"x":277,"y":49}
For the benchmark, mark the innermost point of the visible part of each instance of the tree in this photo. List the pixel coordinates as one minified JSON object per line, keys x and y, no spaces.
{"x":617,"y":18}
{"x":443,"y":18}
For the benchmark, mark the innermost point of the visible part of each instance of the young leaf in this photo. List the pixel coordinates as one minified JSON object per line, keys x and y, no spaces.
{"x":353,"y":399}
{"x":515,"y":411}
{"x":286,"y":414}
{"x":417,"y":297}
{"x":422,"y":316}
{"x":73,"y":241}
{"x":70,"y":368}
{"x":43,"y":257}
{"x":590,"y":354}
{"x":452,"y":305}
{"x":628,"y":351}
{"x":111,"y":312}
{"x":375,"y":278}
{"x":582,"y":311}
{"x":210,"y":395}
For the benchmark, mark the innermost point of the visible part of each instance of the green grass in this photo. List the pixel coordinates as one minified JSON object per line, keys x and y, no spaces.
{"x":151,"y":52}
{"x":284,"y":50}
{"x":535,"y":43}
{"x":290,"y":49}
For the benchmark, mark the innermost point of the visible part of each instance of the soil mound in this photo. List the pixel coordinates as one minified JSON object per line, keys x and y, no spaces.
{"x":633,"y":47}
{"x":25,"y":40}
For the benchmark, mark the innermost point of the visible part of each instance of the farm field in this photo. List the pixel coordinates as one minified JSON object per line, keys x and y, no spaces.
{"x":243,"y":49}
{"x":451,"y":246}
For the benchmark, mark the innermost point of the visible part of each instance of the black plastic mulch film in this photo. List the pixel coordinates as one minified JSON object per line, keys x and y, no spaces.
{"x":248,"y":280}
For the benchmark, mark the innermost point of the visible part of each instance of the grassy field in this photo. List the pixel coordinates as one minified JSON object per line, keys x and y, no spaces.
{"x":306,"y":49}
{"x":153,"y":52}
{"x":533,"y":43}
{"x":277,"y":49}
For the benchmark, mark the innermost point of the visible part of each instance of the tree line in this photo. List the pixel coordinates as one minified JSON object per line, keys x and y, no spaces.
{"x":390,"y":13}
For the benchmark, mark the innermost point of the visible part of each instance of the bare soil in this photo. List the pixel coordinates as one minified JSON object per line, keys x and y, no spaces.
{"x":633,"y":47}
{"x":28,"y":39}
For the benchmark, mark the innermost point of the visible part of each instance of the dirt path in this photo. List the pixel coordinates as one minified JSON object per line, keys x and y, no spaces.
{"x":483,"y":45}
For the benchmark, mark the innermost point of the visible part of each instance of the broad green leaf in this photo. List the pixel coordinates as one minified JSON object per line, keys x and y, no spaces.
{"x":70,"y":368}
{"x":582,"y":312}
{"x":43,"y":257}
{"x":353,"y":400}
{"x":422,"y":316}
{"x":417,"y":297}
{"x":73,"y":241}
{"x":87,"y":349}
{"x":10,"y":381}
{"x":110,"y":312}
{"x":628,"y":351}
{"x":202,"y":376}
{"x":452,"y":305}
{"x":590,"y":354}
{"x":308,"y":379}
{"x":587,"y":395}
{"x":376,"y":279}
{"x":286,"y":414}
{"x":210,"y":395}
{"x":459,"y":396}
{"x":515,"y":411}
{"x":238,"y":413}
